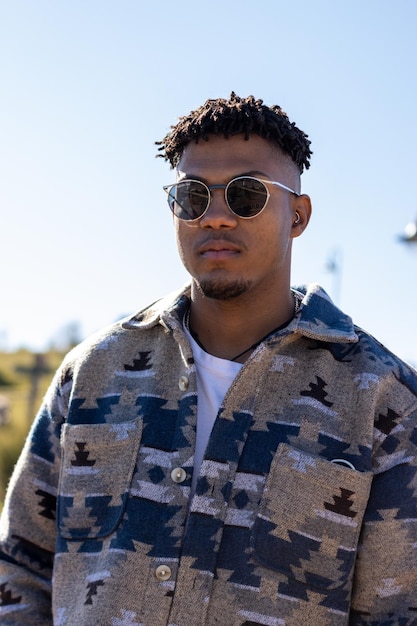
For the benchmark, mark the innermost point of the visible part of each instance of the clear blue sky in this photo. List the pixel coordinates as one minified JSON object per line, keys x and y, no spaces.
{"x":88,"y":86}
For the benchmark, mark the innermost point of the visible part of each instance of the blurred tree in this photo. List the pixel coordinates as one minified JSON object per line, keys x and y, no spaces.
{"x":35,"y":372}
{"x":67,"y":337}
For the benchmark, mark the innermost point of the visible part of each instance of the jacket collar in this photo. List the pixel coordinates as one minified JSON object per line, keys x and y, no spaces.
{"x":172,"y":306}
{"x":317,"y":318}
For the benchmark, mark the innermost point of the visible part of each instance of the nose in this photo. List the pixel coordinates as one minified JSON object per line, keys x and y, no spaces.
{"x":218,"y":214}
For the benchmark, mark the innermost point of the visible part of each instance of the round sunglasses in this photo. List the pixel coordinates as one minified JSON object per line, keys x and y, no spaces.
{"x":245,"y":196}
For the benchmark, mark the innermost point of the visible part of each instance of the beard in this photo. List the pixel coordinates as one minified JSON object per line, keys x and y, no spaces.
{"x":223,"y":290}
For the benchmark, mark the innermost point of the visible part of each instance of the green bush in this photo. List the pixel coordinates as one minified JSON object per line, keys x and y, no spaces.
{"x":6,"y":380}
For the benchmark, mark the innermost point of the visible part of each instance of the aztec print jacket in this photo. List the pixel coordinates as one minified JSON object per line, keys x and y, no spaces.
{"x":306,"y":503}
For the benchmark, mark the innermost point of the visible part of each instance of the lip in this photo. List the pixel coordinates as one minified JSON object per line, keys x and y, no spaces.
{"x":217,"y":249}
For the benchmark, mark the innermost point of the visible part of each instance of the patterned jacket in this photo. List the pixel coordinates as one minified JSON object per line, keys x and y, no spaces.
{"x":306,"y":504}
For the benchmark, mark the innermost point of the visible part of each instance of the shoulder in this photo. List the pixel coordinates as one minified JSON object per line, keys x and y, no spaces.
{"x":115,"y":347}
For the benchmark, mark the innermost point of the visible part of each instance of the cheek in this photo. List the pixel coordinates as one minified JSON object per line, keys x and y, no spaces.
{"x":183,"y":236}
{"x":178,"y":237}
{"x":275,"y":232}
{"x":274,"y":242}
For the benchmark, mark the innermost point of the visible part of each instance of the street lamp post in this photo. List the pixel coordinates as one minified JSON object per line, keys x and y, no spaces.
{"x":410,"y":233}
{"x":334,"y":266}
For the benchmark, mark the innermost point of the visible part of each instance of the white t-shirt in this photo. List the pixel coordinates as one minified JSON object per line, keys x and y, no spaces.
{"x":214,"y":377}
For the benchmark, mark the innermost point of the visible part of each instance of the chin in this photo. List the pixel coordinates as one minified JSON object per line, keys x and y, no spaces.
{"x":223,"y":290}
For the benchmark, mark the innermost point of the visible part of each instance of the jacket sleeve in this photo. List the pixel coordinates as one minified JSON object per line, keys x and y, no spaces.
{"x":385,"y":585}
{"x":28,"y":523}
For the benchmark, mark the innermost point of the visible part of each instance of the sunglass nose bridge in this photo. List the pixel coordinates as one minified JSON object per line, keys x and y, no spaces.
{"x":222,"y":196}
{"x":210,"y":187}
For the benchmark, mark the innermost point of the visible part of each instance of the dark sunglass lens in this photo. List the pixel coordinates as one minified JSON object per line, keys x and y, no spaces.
{"x":188,"y":200}
{"x":247,"y":196}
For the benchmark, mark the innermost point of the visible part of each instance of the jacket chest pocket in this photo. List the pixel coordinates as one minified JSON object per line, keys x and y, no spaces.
{"x":98,"y":461}
{"x":310,"y":519}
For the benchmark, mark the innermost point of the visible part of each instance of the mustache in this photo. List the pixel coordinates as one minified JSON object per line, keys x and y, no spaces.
{"x":223,"y":237}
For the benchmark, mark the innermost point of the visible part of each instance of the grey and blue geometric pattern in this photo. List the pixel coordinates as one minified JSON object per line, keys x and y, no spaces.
{"x":305,"y":506}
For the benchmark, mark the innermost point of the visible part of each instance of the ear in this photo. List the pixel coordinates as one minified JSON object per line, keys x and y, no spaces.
{"x":301,"y":212}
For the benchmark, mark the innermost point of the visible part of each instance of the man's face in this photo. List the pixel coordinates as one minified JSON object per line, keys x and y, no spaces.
{"x":228,"y":256}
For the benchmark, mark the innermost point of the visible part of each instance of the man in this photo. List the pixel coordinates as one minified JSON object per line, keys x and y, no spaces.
{"x":238,"y":453}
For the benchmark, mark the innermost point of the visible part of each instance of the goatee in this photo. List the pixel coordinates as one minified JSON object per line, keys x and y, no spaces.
{"x":222,"y":290}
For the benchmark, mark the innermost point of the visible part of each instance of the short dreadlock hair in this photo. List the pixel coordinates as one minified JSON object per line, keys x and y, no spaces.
{"x":234,"y":116}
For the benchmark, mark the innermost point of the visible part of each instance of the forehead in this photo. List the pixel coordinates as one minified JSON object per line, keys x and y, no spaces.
{"x":220,"y":158}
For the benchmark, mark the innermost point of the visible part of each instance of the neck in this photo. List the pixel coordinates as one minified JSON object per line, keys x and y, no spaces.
{"x":231,"y":331}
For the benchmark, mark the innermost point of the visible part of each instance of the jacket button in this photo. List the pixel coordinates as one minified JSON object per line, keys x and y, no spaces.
{"x":183,"y":383}
{"x":163,"y":572}
{"x":178,"y":475}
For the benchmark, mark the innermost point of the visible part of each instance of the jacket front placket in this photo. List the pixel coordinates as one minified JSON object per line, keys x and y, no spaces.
{"x":210,"y":503}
